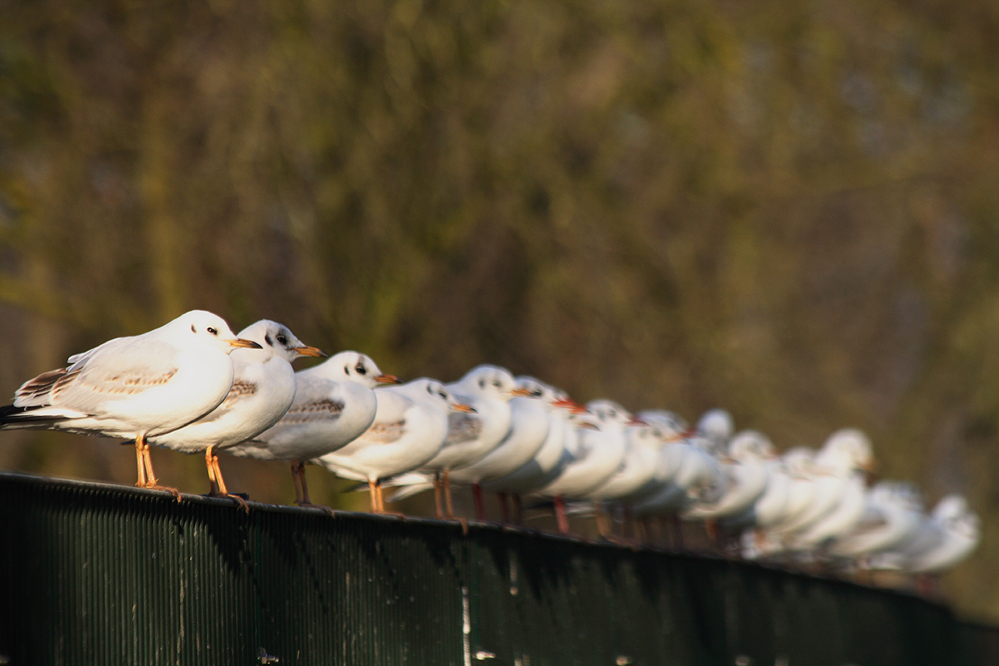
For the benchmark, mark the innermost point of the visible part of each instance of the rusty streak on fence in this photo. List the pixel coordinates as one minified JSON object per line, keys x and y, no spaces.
{"x":100,"y":574}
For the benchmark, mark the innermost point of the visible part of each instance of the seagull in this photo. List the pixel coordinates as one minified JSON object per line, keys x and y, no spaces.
{"x":262,"y":390}
{"x":410,"y":427}
{"x":716,"y":426}
{"x":545,"y":466}
{"x":529,"y":426}
{"x":836,"y":476}
{"x":670,"y":429}
{"x":636,"y":475}
{"x":694,"y":474}
{"x":771,"y":506}
{"x":893,"y":515}
{"x":598,"y":454}
{"x":944,"y":538}
{"x":747,"y":476}
{"x":135,"y":387}
{"x":488,"y":389}
{"x":961,"y":533}
{"x":334,"y":404}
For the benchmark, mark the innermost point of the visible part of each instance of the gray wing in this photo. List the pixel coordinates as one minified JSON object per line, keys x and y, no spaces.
{"x":240,"y":390}
{"x":315,"y":400}
{"x":321,"y":409}
{"x":111,"y":371}
{"x":384,"y":433}
{"x":462,"y":427}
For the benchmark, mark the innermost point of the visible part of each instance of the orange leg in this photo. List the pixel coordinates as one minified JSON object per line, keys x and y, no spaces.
{"x":217,"y":483}
{"x":150,"y":476}
{"x":381,"y":502}
{"x":213,"y":486}
{"x":297,"y":481}
{"x":447,"y":502}
{"x":140,"y":464}
{"x":601,"y":517}
{"x":560,"y":516}
{"x":302,"y":489}
{"x":446,"y":481}
{"x":438,"y":512}
{"x":480,"y":506}
{"x":373,"y":496}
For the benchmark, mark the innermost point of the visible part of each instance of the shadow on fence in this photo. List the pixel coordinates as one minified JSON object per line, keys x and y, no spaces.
{"x":99,"y":574}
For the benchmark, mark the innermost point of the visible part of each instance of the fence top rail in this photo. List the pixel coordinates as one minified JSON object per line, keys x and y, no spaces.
{"x":475,"y":529}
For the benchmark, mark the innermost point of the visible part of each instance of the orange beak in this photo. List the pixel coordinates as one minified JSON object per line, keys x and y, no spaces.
{"x":246,"y":344}
{"x":464,"y":408}
{"x":388,"y":379}
{"x":311,"y":351}
{"x":519,"y":392}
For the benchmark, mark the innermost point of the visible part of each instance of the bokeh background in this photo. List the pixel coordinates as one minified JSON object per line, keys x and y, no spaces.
{"x":789,"y":209}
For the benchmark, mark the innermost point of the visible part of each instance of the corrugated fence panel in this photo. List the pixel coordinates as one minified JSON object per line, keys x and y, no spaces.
{"x":98,"y":574}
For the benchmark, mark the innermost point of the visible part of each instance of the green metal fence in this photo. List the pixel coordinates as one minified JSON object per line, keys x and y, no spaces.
{"x":98,"y":574}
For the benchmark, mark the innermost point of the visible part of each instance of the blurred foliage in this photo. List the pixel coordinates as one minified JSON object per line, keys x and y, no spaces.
{"x":789,"y":209}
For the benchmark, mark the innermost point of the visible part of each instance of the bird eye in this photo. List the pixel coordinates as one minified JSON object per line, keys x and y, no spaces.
{"x":282,"y":339}
{"x":361,"y":370}
{"x":496,"y":383}
{"x":212,"y":330}
{"x":536,"y":393}
{"x":193,"y":330}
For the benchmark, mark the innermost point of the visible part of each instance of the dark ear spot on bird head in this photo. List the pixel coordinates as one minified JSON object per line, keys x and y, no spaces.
{"x":267,"y":339}
{"x":482,"y":383}
{"x":193,"y":330}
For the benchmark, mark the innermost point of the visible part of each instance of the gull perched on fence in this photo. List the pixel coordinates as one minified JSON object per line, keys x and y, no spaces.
{"x":409,"y":428}
{"x":263,"y":388}
{"x":334,"y":403}
{"x":135,"y":387}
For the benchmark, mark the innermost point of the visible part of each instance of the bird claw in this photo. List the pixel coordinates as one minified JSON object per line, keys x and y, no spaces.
{"x":391,"y":513}
{"x":153,"y":485}
{"x":460,"y":519}
{"x":235,"y":498}
{"x":325,"y":509}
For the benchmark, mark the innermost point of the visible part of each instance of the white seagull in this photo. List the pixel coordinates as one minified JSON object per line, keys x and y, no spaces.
{"x":529,"y":427}
{"x":893,"y":515}
{"x":134,"y":387}
{"x":747,"y":475}
{"x":545,"y":466}
{"x":488,"y":389}
{"x":944,"y":538}
{"x":409,"y":428}
{"x":694,"y":476}
{"x":597,"y":455}
{"x":263,"y":388}
{"x":636,"y":477}
{"x":835,"y":501}
{"x":334,"y":403}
